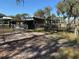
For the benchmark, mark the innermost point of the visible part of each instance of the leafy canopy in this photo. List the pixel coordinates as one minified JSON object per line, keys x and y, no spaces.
{"x":68,"y":8}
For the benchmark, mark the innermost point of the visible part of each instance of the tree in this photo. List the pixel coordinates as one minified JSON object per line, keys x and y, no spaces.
{"x":53,"y":16}
{"x":47,"y":11}
{"x":18,"y":17}
{"x":24,"y":15}
{"x":2,"y":15}
{"x":69,"y":8}
{"x":21,"y":16}
{"x":46,"y":14}
{"x":39,"y":13}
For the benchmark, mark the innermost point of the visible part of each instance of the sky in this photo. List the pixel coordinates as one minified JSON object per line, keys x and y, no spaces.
{"x":9,"y":7}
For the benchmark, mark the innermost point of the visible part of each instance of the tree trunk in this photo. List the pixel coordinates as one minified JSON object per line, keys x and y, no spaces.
{"x":76,"y":31}
{"x":76,"y":27}
{"x":68,"y":24}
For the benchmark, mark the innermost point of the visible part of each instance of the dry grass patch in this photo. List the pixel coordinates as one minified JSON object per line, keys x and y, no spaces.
{"x":6,"y":30}
{"x":68,"y":53}
{"x":67,"y":35}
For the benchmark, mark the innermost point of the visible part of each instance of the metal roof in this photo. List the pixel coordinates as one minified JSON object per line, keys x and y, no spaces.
{"x":28,"y":18}
{"x":6,"y":18}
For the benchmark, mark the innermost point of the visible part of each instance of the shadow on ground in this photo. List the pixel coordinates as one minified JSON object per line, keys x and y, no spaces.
{"x":36,"y":47}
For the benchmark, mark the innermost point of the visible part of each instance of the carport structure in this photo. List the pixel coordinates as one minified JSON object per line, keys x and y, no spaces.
{"x":5,"y":22}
